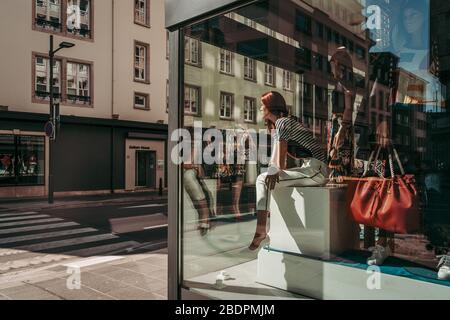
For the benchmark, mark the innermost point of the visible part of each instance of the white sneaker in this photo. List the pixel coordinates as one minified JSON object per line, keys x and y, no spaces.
{"x":444,"y":267}
{"x":379,"y":254}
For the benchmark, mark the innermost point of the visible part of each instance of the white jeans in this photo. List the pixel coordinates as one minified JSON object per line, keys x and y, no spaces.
{"x":313,"y":173}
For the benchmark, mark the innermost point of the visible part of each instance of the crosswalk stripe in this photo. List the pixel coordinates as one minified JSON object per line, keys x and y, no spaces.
{"x":67,"y":242}
{"x":24,"y":218}
{"x":46,"y":235}
{"x":23,"y":223}
{"x":40,"y":227}
{"x":101,"y":249}
{"x":13,"y":214}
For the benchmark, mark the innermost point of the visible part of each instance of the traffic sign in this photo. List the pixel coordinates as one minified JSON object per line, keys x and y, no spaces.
{"x":49,"y":129}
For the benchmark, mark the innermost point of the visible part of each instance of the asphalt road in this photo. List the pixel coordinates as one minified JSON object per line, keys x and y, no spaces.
{"x":32,"y":239}
{"x":141,"y":221}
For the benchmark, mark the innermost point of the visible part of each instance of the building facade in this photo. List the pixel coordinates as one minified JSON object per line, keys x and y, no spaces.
{"x":111,"y":88}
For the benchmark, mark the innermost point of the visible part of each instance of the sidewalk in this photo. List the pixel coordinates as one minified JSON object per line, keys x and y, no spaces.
{"x":133,"y":277}
{"x":41,"y":203}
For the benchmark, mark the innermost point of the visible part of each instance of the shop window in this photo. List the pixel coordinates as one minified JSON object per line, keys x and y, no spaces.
{"x":22,"y":160}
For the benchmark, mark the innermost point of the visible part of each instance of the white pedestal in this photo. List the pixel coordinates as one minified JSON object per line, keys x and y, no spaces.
{"x":311,"y":221}
{"x":329,"y":281}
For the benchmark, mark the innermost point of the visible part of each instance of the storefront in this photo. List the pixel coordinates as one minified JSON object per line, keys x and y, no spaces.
{"x":92,"y":156}
{"x":366,"y":81}
{"x":23,"y":163}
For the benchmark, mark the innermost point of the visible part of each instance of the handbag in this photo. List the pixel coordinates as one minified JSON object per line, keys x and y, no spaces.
{"x":391,"y":203}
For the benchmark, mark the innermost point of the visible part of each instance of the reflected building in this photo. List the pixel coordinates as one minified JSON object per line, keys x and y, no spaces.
{"x":284,"y":47}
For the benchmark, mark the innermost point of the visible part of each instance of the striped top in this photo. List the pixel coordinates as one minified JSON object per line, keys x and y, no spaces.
{"x":289,"y":129}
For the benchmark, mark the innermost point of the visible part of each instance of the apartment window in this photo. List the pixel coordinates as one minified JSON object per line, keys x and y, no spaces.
{"x":303,"y":23}
{"x":192,"y":100}
{"x":42,"y":78}
{"x":142,"y":12}
{"x":329,"y":34}
{"x":351,"y":46}
{"x":141,"y":62}
{"x":226,"y":105}
{"x":78,"y":83}
{"x":226,"y":61}
{"x":381,"y":97}
{"x":320,"y":94}
{"x":167,"y":45}
{"x":319,"y":62}
{"x":141,"y":101}
{"x":307,"y":92}
{"x":249,"y":69}
{"x":320,"y":30}
{"x":167,"y":96}
{"x":48,"y":14}
{"x":250,"y":110}
{"x":192,"y":51}
{"x":360,"y":52}
{"x":79,"y":17}
{"x":270,"y":75}
{"x":287,"y":80}
{"x":337,"y":38}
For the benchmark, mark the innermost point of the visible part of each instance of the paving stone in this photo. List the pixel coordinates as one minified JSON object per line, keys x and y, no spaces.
{"x":59,"y":288}
{"x":134,"y":294}
{"x":138,"y":280}
{"x":101,"y":283}
{"x":28,"y":292}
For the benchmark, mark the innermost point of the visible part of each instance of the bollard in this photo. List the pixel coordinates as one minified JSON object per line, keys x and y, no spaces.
{"x":160,"y":187}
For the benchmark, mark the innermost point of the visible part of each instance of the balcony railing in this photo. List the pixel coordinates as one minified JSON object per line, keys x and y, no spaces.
{"x":44,"y":23}
{"x":46,"y":95}
{"x":79,"y":99}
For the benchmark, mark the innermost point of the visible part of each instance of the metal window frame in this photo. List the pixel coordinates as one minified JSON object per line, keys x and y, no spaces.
{"x":180,"y":13}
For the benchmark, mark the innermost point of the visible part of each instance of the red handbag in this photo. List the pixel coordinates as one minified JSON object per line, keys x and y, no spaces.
{"x":391,"y":203}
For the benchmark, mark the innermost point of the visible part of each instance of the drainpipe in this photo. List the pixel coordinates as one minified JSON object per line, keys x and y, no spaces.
{"x":112,"y":98}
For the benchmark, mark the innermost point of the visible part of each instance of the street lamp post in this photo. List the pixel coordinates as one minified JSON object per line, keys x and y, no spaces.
{"x":53,"y":117}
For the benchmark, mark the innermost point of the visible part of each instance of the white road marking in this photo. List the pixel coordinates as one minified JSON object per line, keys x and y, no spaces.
{"x":47,"y":235}
{"x":23,"y":223}
{"x":145,"y":206}
{"x":40,"y":227}
{"x":91,"y":262}
{"x":6,"y":214}
{"x":156,"y":227}
{"x":67,"y":242}
{"x":24,"y":218}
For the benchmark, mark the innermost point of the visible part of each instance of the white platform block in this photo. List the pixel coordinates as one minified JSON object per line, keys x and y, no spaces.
{"x":312,"y":221}
{"x":329,"y":281}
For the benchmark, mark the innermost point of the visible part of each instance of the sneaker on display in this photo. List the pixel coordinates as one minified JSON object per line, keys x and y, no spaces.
{"x":379,"y":255}
{"x":444,"y":267}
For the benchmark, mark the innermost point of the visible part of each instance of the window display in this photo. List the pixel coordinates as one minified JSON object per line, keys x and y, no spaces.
{"x":22,"y":160}
{"x":324,"y":177}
